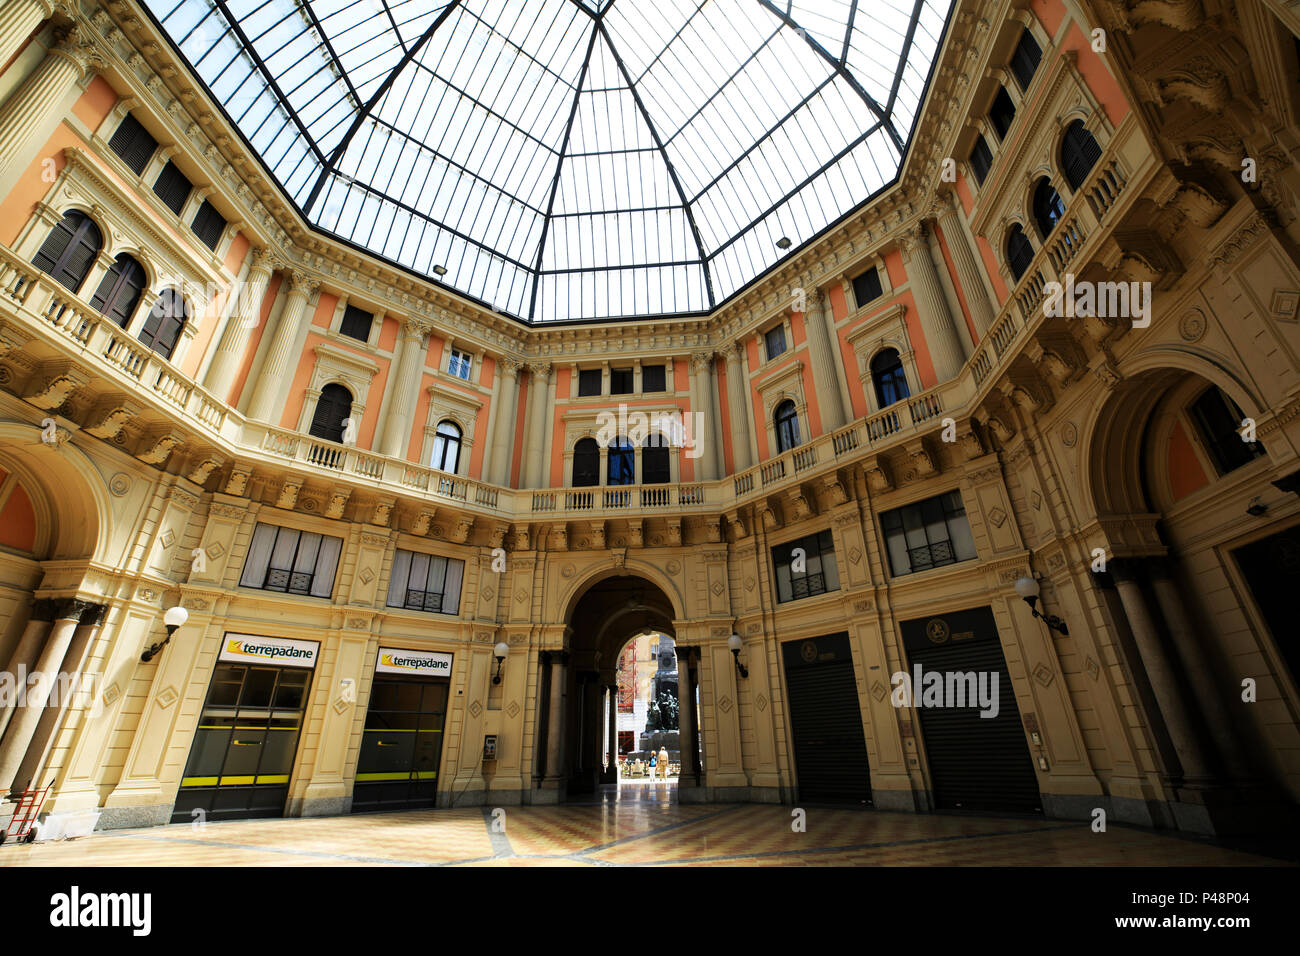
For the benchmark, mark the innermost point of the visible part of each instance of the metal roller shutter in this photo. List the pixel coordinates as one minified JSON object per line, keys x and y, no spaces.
{"x":829,"y":748}
{"x":976,"y":763}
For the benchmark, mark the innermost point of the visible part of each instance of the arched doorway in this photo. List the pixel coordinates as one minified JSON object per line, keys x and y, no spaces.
{"x":580,"y":683}
{"x":1183,"y":489}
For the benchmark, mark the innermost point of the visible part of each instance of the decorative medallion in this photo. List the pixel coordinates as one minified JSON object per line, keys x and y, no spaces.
{"x":1043,"y":675}
{"x":340,"y":705}
{"x":673,"y":566}
{"x":1285,"y":304}
{"x":215,"y":550}
{"x":309,"y":504}
{"x":717,"y":588}
{"x":937,"y":630}
{"x":513,"y":710}
{"x":366,"y":575}
{"x":724,"y":705}
{"x":487,"y":593}
{"x":808,"y":651}
{"x":167,"y":696}
{"x":1056,"y":561}
{"x":1069,"y":434}
{"x":997,"y":516}
{"x":754,"y":628}
{"x":862,"y":605}
{"x":521,"y":595}
{"x":855,"y":555}
{"x":568,"y":571}
{"x":120,"y":484}
{"x":749,"y":584}
{"x":196,"y":604}
{"x":475,"y":709}
{"x":1191,"y":327}
{"x":761,"y":702}
{"x":111,"y":693}
{"x":358,"y":623}
{"x":878,"y":691}
{"x":1036,"y":500}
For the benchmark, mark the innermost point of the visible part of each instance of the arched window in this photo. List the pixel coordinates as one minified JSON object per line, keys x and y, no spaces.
{"x":888,"y":376}
{"x":162,"y":330}
{"x":119,"y":293}
{"x":1019,"y":252}
{"x":586,"y":463}
{"x":1048,"y":208}
{"x":446,"y":447}
{"x":70,"y":249}
{"x":333,"y":409}
{"x":1079,"y":153}
{"x":787,"y":426}
{"x":654,"y":460}
{"x":622,"y":463}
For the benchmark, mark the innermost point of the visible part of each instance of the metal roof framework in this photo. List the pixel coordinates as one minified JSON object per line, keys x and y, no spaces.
{"x":570,"y":159}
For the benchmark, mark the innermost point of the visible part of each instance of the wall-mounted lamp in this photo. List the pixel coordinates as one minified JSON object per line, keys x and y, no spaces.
{"x":1256,"y":508}
{"x":440,"y":271}
{"x":1027,"y":588}
{"x":500,"y":652}
{"x":784,"y":243}
{"x":736,"y":643}
{"x":173,"y":618}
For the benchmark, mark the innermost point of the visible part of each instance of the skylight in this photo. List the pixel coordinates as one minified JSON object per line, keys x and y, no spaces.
{"x":570,"y":159}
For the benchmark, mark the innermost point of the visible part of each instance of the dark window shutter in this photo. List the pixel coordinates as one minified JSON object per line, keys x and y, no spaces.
{"x":119,"y":293}
{"x":132,"y":142}
{"x":1002,"y":112}
{"x":356,"y":323}
{"x":654,"y":461}
{"x":653,"y":378}
{"x":208,"y":225}
{"x":1079,"y":153}
{"x":981,"y":159}
{"x":1024,"y":61}
{"x":867,"y":286}
{"x":586,"y":463}
{"x":173,"y":188}
{"x":333,"y":408}
{"x":69,"y":250}
{"x":162,"y":330}
{"x":1019,"y":252}
{"x":588,"y":381}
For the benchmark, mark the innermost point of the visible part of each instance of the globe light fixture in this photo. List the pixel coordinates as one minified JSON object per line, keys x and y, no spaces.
{"x":735,"y":642}
{"x":173,"y":618}
{"x":1028,"y":589}
{"x":500,"y":652}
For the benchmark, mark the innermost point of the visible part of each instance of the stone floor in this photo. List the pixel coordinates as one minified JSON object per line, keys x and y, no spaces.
{"x":637,"y":825}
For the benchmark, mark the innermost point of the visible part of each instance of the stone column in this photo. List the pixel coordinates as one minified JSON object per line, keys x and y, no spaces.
{"x":24,"y":656}
{"x":18,"y":19}
{"x":969,"y":273}
{"x":738,"y":405}
{"x":1206,"y":681}
{"x":702,"y":369}
{"x":23,"y":726}
{"x":932,"y":309}
{"x":1164,"y":684}
{"x":686,"y":718}
{"x":234,"y":343}
{"x":535,"y":443}
{"x":612,"y":775}
{"x":73,"y":665}
{"x":277,"y":370}
{"x":34,"y":110}
{"x":555,"y":776}
{"x":822,"y":356}
{"x":503,"y":421}
{"x":397,"y":428}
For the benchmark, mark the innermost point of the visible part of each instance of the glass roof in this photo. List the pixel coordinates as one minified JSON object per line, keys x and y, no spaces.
{"x":570,"y":159}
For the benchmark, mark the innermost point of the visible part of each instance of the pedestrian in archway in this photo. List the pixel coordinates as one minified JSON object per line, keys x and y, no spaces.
{"x":663,"y":761}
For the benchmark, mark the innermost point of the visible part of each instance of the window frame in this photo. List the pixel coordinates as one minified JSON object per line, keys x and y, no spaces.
{"x":894,"y":526}
{"x":779,"y":423}
{"x":819,"y":548}
{"x":447,"y":441}
{"x":407,"y":590}
{"x":310,"y":589}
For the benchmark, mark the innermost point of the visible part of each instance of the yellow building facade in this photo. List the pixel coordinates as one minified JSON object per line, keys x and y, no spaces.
{"x":904,"y":400}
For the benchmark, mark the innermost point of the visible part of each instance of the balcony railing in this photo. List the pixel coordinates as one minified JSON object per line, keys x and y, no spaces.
{"x":68,"y":324}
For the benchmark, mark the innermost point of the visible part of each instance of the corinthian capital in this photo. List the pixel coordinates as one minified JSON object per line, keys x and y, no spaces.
{"x":541,"y":370}
{"x":74,"y":44}
{"x":303,"y":284}
{"x":701,"y":361}
{"x":512,"y":366}
{"x":417,"y":328}
{"x":261,"y":259}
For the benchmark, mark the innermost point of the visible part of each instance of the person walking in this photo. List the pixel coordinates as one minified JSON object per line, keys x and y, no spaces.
{"x":663,"y":761}
{"x":652,"y":767}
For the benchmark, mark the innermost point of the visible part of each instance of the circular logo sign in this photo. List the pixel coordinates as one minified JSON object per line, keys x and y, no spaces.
{"x":936,"y":629}
{"x":808,"y":651}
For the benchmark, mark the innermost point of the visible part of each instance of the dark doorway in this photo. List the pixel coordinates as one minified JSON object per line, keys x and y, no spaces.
{"x":830,"y":751}
{"x":1271,"y":567}
{"x":397,"y":768}
{"x":976,"y":762}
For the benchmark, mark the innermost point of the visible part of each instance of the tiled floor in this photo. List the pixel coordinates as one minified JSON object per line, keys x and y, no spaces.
{"x":640,"y":826}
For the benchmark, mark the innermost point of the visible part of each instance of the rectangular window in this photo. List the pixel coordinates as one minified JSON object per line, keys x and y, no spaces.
{"x":132,"y":142}
{"x":774,"y":341}
{"x":804,"y":575}
{"x":620,"y":381}
{"x":867,"y":286}
{"x":173,"y":188}
{"x":1219,"y":420}
{"x":208,"y":225}
{"x":653,"y":379}
{"x":981,"y":159}
{"x":1025,"y":60}
{"x":927,"y":534}
{"x":356,"y":323}
{"x":425,"y":582}
{"x":459,"y":364}
{"x":1002,"y":112}
{"x":588,"y":381}
{"x":292,"y":561}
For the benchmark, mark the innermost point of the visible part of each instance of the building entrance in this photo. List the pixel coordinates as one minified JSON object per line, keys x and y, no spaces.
{"x":244,"y":747}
